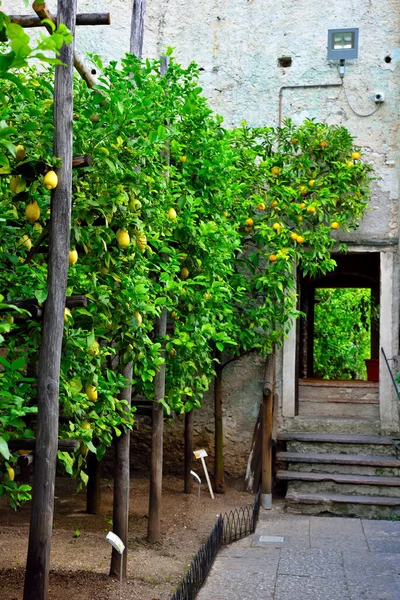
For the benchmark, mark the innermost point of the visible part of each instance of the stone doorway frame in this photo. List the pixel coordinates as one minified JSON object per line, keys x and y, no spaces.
{"x":388,"y":339}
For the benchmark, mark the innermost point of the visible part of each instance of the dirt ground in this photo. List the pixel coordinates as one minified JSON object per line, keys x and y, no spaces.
{"x":80,"y":555}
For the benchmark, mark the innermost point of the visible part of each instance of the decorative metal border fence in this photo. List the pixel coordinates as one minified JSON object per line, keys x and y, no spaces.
{"x":234,"y":525}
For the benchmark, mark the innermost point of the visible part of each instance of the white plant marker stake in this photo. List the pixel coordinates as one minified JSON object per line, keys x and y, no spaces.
{"x":202,"y":454}
{"x":119,"y":546}
{"x":197,"y":478}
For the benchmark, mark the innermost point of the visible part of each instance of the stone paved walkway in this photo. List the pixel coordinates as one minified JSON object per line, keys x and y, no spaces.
{"x":295,"y":557}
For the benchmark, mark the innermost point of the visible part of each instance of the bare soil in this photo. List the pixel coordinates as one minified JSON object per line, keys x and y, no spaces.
{"x":80,"y":556}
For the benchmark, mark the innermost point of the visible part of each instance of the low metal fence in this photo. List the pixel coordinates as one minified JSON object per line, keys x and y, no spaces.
{"x":234,"y":525}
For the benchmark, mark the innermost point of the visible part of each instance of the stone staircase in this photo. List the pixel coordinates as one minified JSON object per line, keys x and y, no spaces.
{"x":339,"y":399}
{"x":339,"y":473}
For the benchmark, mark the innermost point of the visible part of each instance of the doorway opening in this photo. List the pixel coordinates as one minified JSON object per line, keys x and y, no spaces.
{"x":342,"y":333}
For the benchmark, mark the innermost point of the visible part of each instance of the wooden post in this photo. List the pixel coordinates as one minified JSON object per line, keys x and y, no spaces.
{"x":28,"y":21}
{"x":38,"y":560}
{"x":157,"y":426}
{"x":93,"y":498}
{"x":219,"y":482}
{"x":137,"y":27}
{"x":188,"y":451}
{"x":121,"y":484}
{"x":266,"y":424}
{"x":157,"y":432}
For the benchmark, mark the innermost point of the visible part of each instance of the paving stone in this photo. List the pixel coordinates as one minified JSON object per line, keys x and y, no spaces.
{"x":337,"y":533}
{"x":267,"y":565}
{"x":295,"y":587}
{"x":382,"y":536}
{"x":239,"y":586}
{"x":294,"y":529}
{"x":372,"y":576}
{"x":311,"y":563}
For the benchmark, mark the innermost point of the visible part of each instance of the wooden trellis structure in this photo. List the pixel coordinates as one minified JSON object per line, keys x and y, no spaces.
{"x":46,"y":443}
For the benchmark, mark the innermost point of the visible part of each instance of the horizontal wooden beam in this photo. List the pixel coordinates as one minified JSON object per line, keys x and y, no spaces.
{"x":32,"y":305}
{"x":82,"y":161}
{"x":28,"y":21}
{"x":29,"y":444}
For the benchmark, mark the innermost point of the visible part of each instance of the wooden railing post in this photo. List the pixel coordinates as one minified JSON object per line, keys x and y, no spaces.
{"x":266,"y":423}
{"x":188,"y":451}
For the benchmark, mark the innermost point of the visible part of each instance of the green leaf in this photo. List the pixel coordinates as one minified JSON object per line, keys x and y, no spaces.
{"x":4,"y":449}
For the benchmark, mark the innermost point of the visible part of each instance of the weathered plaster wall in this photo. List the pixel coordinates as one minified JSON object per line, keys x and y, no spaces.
{"x":237,"y":44}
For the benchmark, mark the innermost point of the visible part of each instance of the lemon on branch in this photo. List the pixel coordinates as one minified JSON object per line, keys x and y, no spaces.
{"x":72,"y":257}
{"x":32,"y":211}
{"x":123,"y":238}
{"x":50,"y":180}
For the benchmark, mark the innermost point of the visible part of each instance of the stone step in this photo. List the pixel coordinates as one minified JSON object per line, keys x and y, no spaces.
{"x":331,"y":448}
{"x":326,"y":499}
{"x":321,"y":391}
{"x":339,"y":459}
{"x":332,"y":425}
{"x":326,"y":408}
{"x":336,"y":438}
{"x":338,"y":478}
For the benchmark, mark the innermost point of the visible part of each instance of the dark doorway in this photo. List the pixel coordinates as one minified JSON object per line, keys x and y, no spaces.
{"x":357,"y":271}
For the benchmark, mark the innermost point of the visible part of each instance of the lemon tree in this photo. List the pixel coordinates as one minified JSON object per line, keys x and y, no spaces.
{"x":211,"y":230}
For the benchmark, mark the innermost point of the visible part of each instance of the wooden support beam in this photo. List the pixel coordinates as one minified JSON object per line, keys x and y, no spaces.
{"x":30,"y":444}
{"x":122,"y":484}
{"x":36,"y":311}
{"x":93,"y":487}
{"x":27,"y":21}
{"x":137,"y":27}
{"x":266,"y":424}
{"x":188,"y":451}
{"x":82,"y":161}
{"x":43,"y":12}
{"x":219,"y":482}
{"x":38,"y":560}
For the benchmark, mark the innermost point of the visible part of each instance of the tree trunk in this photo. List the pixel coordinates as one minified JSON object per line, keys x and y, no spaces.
{"x":121,"y":485}
{"x":38,"y":560}
{"x":219,"y":482}
{"x":137,"y":27}
{"x":157,"y":431}
{"x":93,"y":499}
{"x":266,"y":423}
{"x":188,"y":451}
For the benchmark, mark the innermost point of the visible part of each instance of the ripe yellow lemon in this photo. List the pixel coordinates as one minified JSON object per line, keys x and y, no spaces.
{"x":207,"y":296}
{"x":273,"y":257}
{"x":335,"y":225}
{"x":302,"y":204}
{"x":17,"y":184}
{"x":273,"y":204}
{"x":225,"y":214}
{"x":38,"y":228}
{"x":123,"y":238}
{"x":50,"y":180}
{"x":294,"y":236}
{"x":277,"y":226}
{"x":275,"y":170}
{"x":300,"y":239}
{"x":300,"y":219}
{"x":184,"y":273}
{"x":249,"y":222}
{"x":11,"y":473}
{"x":182,"y":159}
{"x":32,"y":211}
{"x":261,"y":206}
{"x":303,"y":190}
{"x":174,"y":315}
{"x":294,"y":141}
{"x":94,"y":348}
{"x":355,"y":155}
{"x":86,"y":425}
{"x":311,"y":182}
{"x":25,"y":241}
{"x":67,"y":315}
{"x":135,"y":205}
{"x":311,"y":209}
{"x":138,"y":317}
{"x":91,"y":393}
{"x":141,"y":241}
{"x":350,"y":163}
{"x":171,"y":214}
{"x":172,"y":353}
{"x":72,"y":257}
{"x":323,"y":144}
{"x":20,"y":153}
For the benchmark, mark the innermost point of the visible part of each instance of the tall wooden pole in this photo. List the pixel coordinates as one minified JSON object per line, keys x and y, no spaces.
{"x":188,"y":451}
{"x":157,"y":432}
{"x":121,"y":483}
{"x":266,"y":424}
{"x":93,"y":485}
{"x":137,"y":27}
{"x":219,"y":482}
{"x":38,"y":560}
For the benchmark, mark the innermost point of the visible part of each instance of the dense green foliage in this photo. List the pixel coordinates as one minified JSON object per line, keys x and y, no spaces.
{"x":176,"y":212}
{"x":342,"y":333}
